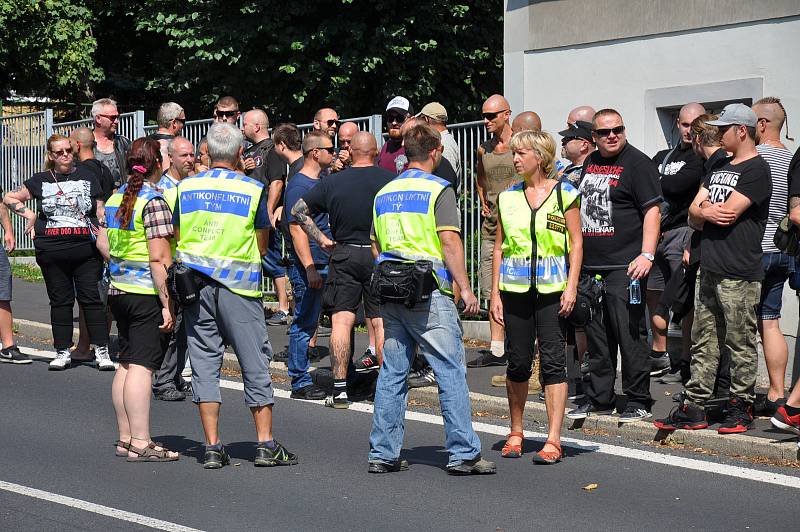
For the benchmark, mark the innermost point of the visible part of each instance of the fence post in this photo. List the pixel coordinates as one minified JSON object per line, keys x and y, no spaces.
{"x":48,"y":124}
{"x":138,"y":124}
{"x":376,"y":126}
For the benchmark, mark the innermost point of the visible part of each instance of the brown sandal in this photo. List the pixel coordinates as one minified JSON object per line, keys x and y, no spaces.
{"x":151,"y":454}
{"x":548,"y":457}
{"x":125,"y":445}
{"x":512,"y":451}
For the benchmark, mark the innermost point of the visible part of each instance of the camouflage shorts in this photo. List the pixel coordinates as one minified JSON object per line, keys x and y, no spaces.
{"x":725,"y":317}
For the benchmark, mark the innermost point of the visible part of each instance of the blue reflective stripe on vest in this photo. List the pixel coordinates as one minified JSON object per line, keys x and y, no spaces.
{"x":415,"y":201}
{"x":215,"y":201}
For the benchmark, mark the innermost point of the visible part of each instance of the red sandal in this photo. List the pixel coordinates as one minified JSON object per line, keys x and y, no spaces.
{"x":548,"y":457}
{"x":512,"y":451}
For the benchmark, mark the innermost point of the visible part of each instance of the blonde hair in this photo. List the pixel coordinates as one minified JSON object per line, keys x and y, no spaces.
{"x":49,"y":164}
{"x":542,"y":143}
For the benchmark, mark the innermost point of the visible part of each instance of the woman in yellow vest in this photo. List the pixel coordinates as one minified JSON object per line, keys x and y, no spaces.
{"x":136,"y":243}
{"x":537,"y":262}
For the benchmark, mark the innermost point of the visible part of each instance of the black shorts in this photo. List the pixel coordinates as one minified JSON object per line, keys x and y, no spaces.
{"x":138,"y":317}
{"x":349,"y":273}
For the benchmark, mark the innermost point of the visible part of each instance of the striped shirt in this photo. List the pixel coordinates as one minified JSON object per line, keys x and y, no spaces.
{"x":778,"y":160}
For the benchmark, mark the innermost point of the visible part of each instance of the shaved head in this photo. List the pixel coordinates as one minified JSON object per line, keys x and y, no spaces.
{"x":527,"y":121}
{"x":363,"y":147}
{"x":348,"y":130}
{"x":772,"y":111}
{"x":83,"y":135}
{"x":495,"y":103}
{"x":584,"y":113}
{"x":257,"y":116}
{"x":179,"y":143}
{"x":690,"y":111}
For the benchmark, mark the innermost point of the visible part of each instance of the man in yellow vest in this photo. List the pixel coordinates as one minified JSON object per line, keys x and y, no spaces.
{"x":420,"y":254}
{"x":221,"y":226}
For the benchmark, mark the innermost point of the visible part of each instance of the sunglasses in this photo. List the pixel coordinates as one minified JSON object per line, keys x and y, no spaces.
{"x":61,"y":153}
{"x":492,"y":116}
{"x":332,"y":122}
{"x":181,"y":120}
{"x":329,"y":149}
{"x":393,"y":118}
{"x":345,"y":141}
{"x":604,"y":132}
{"x":225,"y":114}
{"x":112,"y":118}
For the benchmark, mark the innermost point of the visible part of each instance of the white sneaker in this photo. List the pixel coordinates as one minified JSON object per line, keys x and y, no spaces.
{"x":187,"y":369}
{"x":62,"y":360}
{"x":103,"y":360}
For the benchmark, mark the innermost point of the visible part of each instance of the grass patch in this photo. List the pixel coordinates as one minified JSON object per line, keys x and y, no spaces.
{"x":28,"y":272}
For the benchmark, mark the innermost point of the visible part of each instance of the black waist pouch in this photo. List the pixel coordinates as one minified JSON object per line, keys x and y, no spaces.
{"x":407,"y":283}
{"x":182,"y":283}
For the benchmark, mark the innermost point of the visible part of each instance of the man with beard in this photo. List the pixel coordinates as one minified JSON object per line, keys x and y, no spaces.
{"x":392,"y":156}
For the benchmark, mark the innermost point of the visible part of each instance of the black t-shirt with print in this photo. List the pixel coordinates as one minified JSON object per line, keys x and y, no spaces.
{"x":794,"y":174}
{"x":681,"y":177}
{"x":64,"y":206}
{"x":734,"y":251}
{"x":103,"y":176}
{"x":616,"y":192}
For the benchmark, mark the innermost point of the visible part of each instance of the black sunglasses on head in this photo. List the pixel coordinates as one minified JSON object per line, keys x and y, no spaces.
{"x":606,"y":131}
{"x":225,"y":114}
{"x":492,"y":116}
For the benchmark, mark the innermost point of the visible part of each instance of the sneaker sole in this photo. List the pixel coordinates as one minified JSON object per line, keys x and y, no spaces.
{"x":15,"y":361}
{"x":106,"y":368}
{"x":577,"y":416}
{"x":632,"y":420}
{"x":739,"y":429}
{"x":274,"y":463}
{"x":367,"y":370}
{"x":659,"y":372}
{"x":664,"y":426}
{"x":57,"y":368}
{"x":784,"y":426}
{"x":466,"y":472}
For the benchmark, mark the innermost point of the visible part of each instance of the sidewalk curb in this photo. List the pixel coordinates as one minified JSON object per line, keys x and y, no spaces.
{"x":640,"y":431}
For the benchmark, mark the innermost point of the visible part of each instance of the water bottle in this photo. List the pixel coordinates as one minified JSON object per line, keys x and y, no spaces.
{"x":634,"y":292}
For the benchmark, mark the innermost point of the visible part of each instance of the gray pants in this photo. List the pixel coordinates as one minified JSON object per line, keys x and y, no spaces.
{"x":222,"y":317}
{"x":174,"y":346}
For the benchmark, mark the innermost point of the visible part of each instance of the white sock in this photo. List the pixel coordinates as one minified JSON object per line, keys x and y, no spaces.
{"x":498,"y":348}
{"x":371,"y":349}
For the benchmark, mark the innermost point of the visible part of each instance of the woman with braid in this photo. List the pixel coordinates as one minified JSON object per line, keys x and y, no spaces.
{"x":63,"y":226}
{"x":136,"y":243}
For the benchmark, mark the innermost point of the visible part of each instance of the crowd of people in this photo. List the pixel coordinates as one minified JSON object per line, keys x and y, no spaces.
{"x":583,"y":251}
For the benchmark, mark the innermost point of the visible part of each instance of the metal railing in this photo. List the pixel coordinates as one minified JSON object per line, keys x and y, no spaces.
{"x":23,"y":146}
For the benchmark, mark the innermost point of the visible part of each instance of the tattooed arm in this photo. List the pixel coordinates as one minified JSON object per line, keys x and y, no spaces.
{"x":301,"y":213}
{"x":8,"y":229}
{"x":794,"y":209}
{"x":15,"y":201}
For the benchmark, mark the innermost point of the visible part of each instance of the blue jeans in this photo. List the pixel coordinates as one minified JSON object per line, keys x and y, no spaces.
{"x":777,"y":269}
{"x":307,"y":306}
{"x":435,"y":328}
{"x":272,"y":260}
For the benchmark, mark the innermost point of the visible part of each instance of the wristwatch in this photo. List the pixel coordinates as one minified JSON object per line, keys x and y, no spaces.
{"x":648,"y":256}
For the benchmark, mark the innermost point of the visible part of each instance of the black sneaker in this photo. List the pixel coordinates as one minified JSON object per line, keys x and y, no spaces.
{"x":316,"y":353}
{"x":12,"y":355}
{"x":172,"y":394}
{"x":486,"y":359}
{"x":583,"y":411}
{"x":422,"y":378}
{"x":383,"y":467}
{"x":366,"y":363}
{"x":659,"y":365}
{"x":738,"y":417}
{"x":683,"y":416}
{"x":766,"y":408}
{"x":631,"y":414}
{"x":673,"y":377}
{"x":279,"y":456}
{"x":215,"y":459}
{"x":312,"y":392}
{"x":577,"y":394}
{"x":281,"y":356}
{"x":476,"y":466}
{"x":278,"y":318}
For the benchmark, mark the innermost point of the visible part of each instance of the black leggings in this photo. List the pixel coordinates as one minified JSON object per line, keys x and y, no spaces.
{"x":530,"y":317}
{"x":71,"y":273}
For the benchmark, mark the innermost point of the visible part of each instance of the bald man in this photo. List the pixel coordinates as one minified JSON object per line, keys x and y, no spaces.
{"x":495,"y":173}
{"x":347,"y":198}
{"x":327,"y":121}
{"x":584,"y":113}
{"x":682,"y":173}
{"x":771,"y":118}
{"x":346,"y":132}
{"x":526,"y":121}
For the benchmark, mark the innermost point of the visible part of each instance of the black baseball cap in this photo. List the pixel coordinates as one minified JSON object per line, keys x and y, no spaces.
{"x":578,"y":130}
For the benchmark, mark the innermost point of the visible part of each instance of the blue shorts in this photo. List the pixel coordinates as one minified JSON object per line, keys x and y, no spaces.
{"x":777,"y":267}
{"x":5,"y":276}
{"x":272,"y":260}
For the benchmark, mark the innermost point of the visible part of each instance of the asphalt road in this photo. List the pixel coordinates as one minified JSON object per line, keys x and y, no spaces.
{"x":57,"y":429}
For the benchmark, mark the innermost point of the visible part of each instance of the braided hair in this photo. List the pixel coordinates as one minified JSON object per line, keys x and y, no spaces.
{"x":144,"y":160}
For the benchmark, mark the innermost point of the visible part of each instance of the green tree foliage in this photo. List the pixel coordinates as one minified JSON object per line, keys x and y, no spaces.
{"x":46,"y":48}
{"x":292,"y":57}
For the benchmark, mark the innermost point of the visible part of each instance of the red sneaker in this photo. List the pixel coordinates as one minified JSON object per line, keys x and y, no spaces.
{"x":783,"y":421}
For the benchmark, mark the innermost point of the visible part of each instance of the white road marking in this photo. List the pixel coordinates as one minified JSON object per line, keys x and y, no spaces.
{"x":584,"y":445}
{"x":95,"y":508}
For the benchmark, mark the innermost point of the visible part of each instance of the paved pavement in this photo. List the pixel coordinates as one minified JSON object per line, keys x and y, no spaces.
{"x":58,"y":471}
